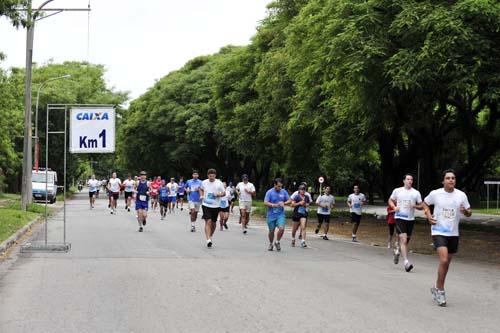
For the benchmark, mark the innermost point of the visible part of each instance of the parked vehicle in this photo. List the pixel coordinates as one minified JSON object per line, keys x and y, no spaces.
{"x":44,"y":184}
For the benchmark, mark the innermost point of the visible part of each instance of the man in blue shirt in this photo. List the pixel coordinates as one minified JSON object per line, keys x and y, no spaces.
{"x":193,"y":190}
{"x":180,"y":192}
{"x":276,"y":198}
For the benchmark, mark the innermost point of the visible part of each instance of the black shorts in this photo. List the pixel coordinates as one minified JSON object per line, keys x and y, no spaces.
{"x":225,"y":210}
{"x":91,"y":194}
{"x":355,"y":218}
{"x":404,"y":227}
{"x":322,"y":218}
{"x":163,"y":203}
{"x":391,"y":228}
{"x":128,"y":195}
{"x":297,"y":216}
{"x":450,"y":242}
{"x":180,"y":196}
{"x":210,"y":213}
{"x":115,"y":195}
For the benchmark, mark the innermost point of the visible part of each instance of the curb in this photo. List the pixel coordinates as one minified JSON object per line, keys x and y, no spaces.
{"x":13,"y":240}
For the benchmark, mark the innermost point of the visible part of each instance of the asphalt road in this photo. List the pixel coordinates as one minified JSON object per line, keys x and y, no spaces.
{"x":116,"y":279}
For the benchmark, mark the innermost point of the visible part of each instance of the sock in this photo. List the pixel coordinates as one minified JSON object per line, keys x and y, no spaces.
{"x":353,"y":236}
{"x":406,"y":261}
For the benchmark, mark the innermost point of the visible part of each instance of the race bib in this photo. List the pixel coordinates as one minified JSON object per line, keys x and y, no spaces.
{"x":210,"y":198}
{"x":223,"y":204}
{"x":324,"y":210}
{"x":448,"y":213}
{"x":142,"y":197}
{"x":302,"y":210}
{"x":357,"y":205}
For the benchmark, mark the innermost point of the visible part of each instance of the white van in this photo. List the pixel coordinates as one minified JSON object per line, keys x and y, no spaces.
{"x":38,"y":179}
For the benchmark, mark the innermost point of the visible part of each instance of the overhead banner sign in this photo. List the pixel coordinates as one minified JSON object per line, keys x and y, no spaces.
{"x":92,"y":130}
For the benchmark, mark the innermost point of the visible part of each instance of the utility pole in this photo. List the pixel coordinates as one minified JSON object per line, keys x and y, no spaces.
{"x":31,"y":17}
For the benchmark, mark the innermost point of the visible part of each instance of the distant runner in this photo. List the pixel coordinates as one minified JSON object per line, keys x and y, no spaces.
{"x":325,"y":203}
{"x":172,"y":194}
{"x":180,"y":193}
{"x":142,"y":200}
{"x":154,"y":187}
{"x":193,"y":190}
{"x":129,"y":191}
{"x":163,"y":196}
{"x":276,"y":198}
{"x":356,"y":201}
{"x":224,"y":207}
{"x":300,"y":202}
{"x":114,"y":186}
{"x":211,"y":190}
{"x":93,"y":185}
{"x":245,"y":191}
{"x":391,"y":224}
{"x":449,"y":203}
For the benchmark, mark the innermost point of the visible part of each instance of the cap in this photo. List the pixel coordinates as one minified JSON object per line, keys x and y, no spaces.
{"x":143,"y":173}
{"x":245,"y":176}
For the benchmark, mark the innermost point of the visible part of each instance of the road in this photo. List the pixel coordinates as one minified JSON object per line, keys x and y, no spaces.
{"x":116,"y":279}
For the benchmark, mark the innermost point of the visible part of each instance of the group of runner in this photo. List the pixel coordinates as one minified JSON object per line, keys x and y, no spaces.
{"x":215,"y":198}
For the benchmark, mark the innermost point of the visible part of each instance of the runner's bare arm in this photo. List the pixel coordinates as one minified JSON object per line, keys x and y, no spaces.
{"x":428,"y":215}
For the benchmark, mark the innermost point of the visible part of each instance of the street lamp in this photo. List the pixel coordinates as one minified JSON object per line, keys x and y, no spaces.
{"x":37,"y":141}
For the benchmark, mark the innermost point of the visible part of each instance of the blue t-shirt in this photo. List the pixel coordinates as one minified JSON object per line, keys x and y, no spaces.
{"x":182,"y":185}
{"x":163,"y":193}
{"x":194,"y":186}
{"x":275,"y":197}
{"x":300,"y":209}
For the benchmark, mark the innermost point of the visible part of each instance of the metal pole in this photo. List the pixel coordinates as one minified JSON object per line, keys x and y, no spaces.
{"x":64,"y":182}
{"x":487,"y":197}
{"x":46,"y":169}
{"x":26,"y":192}
{"x":498,"y":192}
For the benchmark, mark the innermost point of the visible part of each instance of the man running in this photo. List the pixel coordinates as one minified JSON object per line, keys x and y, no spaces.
{"x":99,"y":185}
{"x":93,"y":185}
{"x":163,"y":194}
{"x":449,"y":203}
{"x":300,"y":202}
{"x":153,"y":190}
{"x":355,"y":201}
{"x":233,"y":196}
{"x":193,"y":190}
{"x":325,"y":203}
{"x":245,"y":191}
{"x":172,"y":194}
{"x":180,"y":193}
{"x":224,"y":207}
{"x":142,"y":200}
{"x":211,"y":190}
{"x":114,"y":186}
{"x":276,"y":198}
{"x":129,"y":191}
{"x":403,"y":201}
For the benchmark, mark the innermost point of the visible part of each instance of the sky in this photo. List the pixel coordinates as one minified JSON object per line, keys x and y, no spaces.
{"x":137,"y":41}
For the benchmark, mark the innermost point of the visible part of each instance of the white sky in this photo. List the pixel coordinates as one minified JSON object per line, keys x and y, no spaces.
{"x":137,"y":41}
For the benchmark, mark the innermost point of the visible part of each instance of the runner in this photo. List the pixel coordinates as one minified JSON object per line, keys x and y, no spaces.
{"x":391,"y":223}
{"x":245,"y":191}
{"x":93,"y":185}
{"x":99,"y":185}
{"x":141,"y":202}
{"x":163,"y":196}
{"x":233,"y":196}
{"x":172,"y":194}
{"x":300,"y":202}
{"x":180,"y":193}
{"x":211,"y":190}
{"x":129,"y":191}
{"x":448,"y":203}
{"x":153,"y":190}
{"x":403,"y":201}
{"x":224,"y":207}
{"x":325,"y":203}
{"x":276,"y":198}
{"x":355,"y":201}
{"x":114,"y":186}
{"x":193,"y":190}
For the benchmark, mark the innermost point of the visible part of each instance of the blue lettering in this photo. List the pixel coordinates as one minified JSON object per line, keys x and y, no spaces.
{"x":83,"y":142}
{"x":92,"y":116}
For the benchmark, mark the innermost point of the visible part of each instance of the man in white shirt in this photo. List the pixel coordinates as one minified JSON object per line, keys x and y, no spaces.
{"x":355,"y":201}
{"x":245,"y":191}
{"x":210,"y":192}
{"x":129,"y":191}
{"x":403,"y":201}
{"x":114,"y":187}
{"x":93,"y":185}
{"x":448,"y":203}
{"x":325,"y":203}
{"x":173,"y":187}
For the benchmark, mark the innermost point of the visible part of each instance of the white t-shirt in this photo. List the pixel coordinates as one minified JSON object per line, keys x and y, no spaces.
{"x":209,"y":191}
{"x":244,"y":196}
{"x":325,"y":200}
{"x":446,"y":210}
{"x":129,"y":185}
{"x":93,"y":184}
{"x":405,"y":199}
{"x":114,"y":184}
{"x":172,"y":189}
{"x":224,"y":201}
{"x":356,"y":200}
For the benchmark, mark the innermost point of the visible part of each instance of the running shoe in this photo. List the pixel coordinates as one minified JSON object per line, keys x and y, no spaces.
{"x":128,"y":209}
{"x":193,"y":229}
{"x":409,"y":267}
{"x":293,"y":242}
{"x":277,"y":245}
{"x":245,"y":231}
{"x":303,"y":243}
{"x":388,"y":245}
{"x":440,"y":297}
{"x":396,"y":256}
{"x":225,"y":225}
{"x":111,"y":212}
{"x":144,"y":222}
{"x":209,"y":243}
{"x":270,"y":247}
{"x":433,"y":293}
{"x":140,"y":229}
{"x":325,"y":237}
{"x":355,"y":239}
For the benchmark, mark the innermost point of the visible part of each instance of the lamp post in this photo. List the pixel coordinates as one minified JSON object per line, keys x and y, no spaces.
{"x":37,"y":139}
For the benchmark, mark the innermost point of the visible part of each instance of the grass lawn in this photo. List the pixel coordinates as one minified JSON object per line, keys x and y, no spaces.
{"x":11,"y":216}
{"x":491,"y":211}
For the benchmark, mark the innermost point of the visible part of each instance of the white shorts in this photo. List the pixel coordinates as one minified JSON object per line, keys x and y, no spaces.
{"x":194,"y":205}
{"x":246,"y":205}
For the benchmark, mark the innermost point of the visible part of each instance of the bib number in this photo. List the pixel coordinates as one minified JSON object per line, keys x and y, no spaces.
{"x":142,"y":197}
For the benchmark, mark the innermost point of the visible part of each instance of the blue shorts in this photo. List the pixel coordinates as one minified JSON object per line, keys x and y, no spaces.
{"x":172,"y":199}
{"x":141,"y":205}
{"x":273,"y":222}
